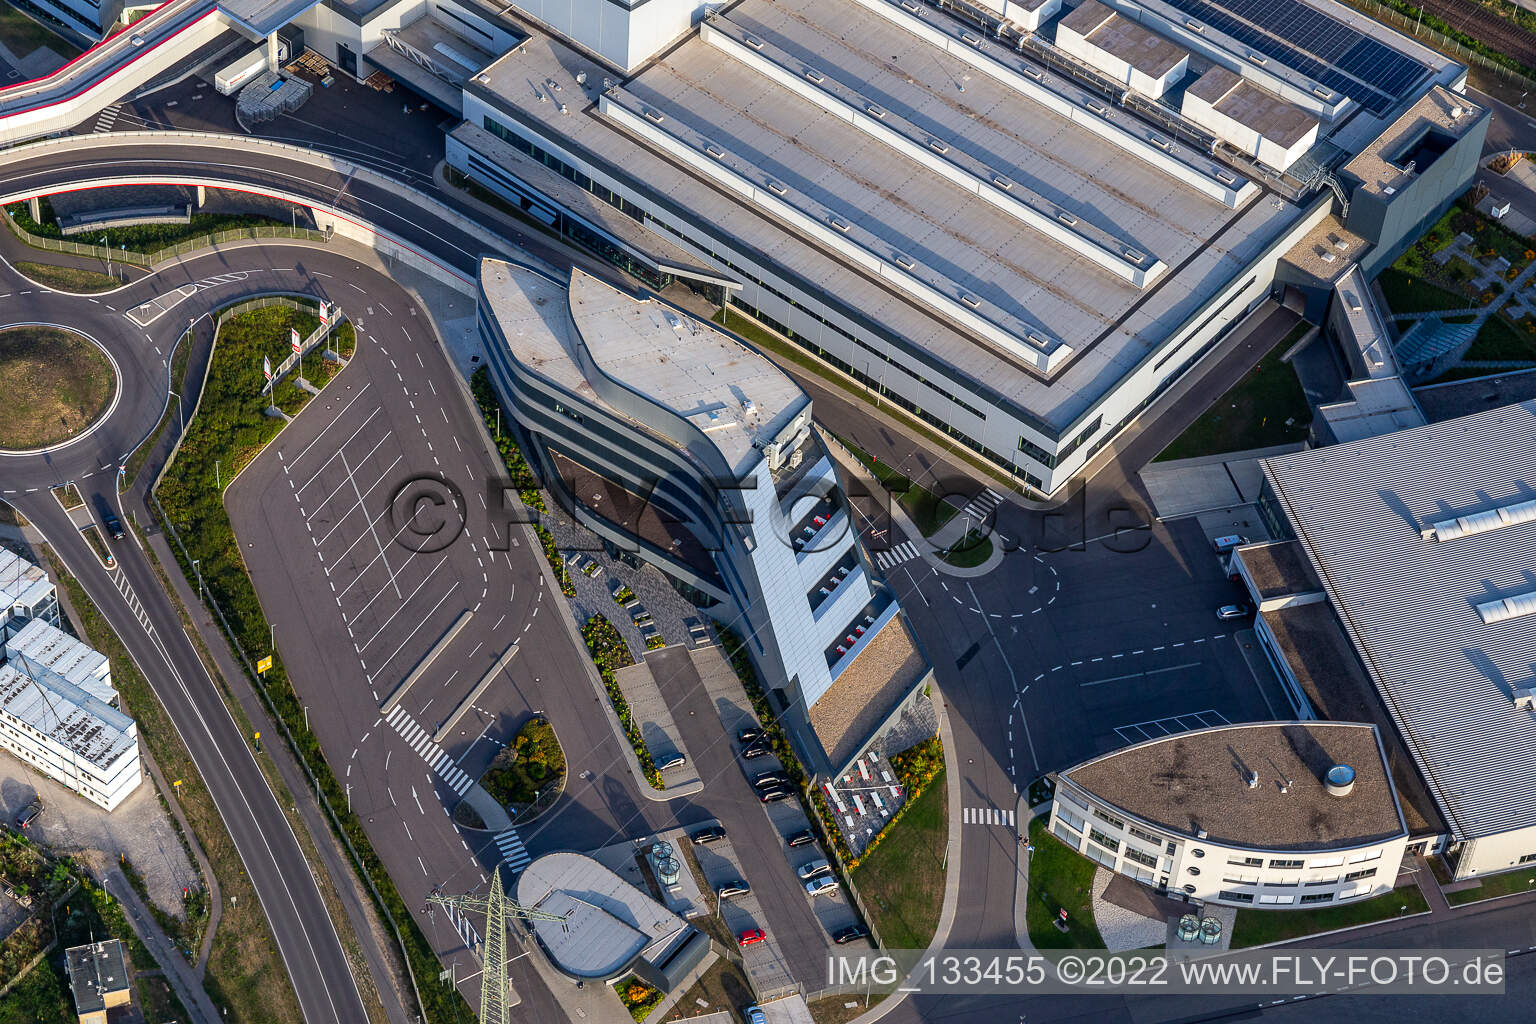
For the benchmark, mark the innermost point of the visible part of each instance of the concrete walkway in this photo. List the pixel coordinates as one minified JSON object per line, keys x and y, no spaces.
{"x":183,"y":977}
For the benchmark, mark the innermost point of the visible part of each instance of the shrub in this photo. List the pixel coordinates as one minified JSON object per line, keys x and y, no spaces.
{"x":519,"y":473}
{"x":610,"y":653}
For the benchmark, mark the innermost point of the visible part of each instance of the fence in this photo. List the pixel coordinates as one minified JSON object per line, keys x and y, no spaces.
{"x":314,"y":783}
{"x":308,"y":345}
{"x":1413,"y":25}
{"x":234,"y":642}
{"x":147,"y":260}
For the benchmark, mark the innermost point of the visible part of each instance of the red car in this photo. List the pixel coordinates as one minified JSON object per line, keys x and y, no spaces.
{"x":751,"y":936}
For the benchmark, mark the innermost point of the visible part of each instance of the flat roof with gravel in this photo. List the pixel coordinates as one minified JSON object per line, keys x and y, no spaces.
{"x":1199,"y":781}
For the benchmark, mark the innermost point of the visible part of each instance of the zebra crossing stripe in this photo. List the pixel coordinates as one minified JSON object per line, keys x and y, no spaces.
{"x":989,"y":816}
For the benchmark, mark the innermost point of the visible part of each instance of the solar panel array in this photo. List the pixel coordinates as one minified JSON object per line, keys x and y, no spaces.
{"x":1309,"y":41}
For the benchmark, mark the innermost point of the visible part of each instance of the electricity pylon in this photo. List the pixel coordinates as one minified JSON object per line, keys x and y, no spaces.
{"x":493,"y":955}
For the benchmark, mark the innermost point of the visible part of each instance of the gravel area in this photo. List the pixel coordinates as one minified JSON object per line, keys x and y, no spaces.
{"x":139,"y":828}
{"x":1122,"y":929}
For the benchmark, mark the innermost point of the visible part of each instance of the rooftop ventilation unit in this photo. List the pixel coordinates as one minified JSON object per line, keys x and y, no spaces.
{"x":1506,"y":608}
{"x":1326,"y":94}
{"x":1066,"y":218}
{"x":938,"y":146}
{"x":905,"y":260}
{"x":970,"y":300}
{"x":1341,"y":245}
{"x":1329,"y":257}
{"x":968,"y":37}
{"x":1524,"y":698}
{"x":1481,"y":522}
{"x":875,"y":111}
{"x":913,"y":8}
{"x":1258,"y":59}
{"x":838,"y":222}
{"x":1226,"y":177}
{"x":714,"y":150}
{"x":1354,"y":302}
{"x":815,"y":76}
{"x":1002,"y":182}
{"x":655,"y":115}
{"x":752,"y":41}
{"x":1032,"y":72}
{"x":1194,"y":25}
{"x":1253,"y":780}
{"x":1135,"y":257}
{"x":776,"y":188}
{"x":1340,"y":780}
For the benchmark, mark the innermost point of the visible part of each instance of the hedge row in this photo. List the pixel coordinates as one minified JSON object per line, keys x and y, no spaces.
{"x":610,"y":653}
{"x":230,"y":429}
{"x":518,"y":472}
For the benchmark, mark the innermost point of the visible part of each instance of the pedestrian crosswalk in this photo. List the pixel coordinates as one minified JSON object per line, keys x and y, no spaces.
{"x":420,"y":740}
{"x":108,"y":117}
{"x":903,"y":552}
{"x":989,"y":816}
{"x":982,"y":505}
{"x":512,"y":853}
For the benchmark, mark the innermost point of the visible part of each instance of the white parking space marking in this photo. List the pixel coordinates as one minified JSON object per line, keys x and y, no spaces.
{"x":1139,"y":731}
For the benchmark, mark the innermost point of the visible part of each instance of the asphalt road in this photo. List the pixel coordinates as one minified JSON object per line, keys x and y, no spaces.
{"x":132,"y":602}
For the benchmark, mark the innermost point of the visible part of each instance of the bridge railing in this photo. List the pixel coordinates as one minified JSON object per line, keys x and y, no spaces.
{"x":170,"y":252}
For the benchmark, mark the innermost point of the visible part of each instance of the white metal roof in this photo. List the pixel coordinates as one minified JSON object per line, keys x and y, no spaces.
{"x":1366,"y":513}
{"x":45,"y":701}
{"x":45,"y":645}
{"x":21,"y":582}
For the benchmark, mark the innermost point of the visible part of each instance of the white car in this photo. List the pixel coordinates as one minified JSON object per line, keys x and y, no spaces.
{"x":824,"y":884}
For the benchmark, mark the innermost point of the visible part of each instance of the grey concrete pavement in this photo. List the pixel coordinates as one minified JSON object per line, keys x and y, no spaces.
{"x":185,"y":980}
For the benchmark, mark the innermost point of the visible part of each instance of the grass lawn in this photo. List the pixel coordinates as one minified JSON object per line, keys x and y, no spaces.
{"x":139,"y":238}
{"x":56,"y":384}
{"x":723,"y":987}
{"x":22,"y":35}
{"x":67,"y":279}
{"x":1501,"y":341}
{"x":638,"y":997}
{"x":969,"y":551}
{"x":902,"y":881}
{"x":835,"y":1009}
{"x":1260,"y":927}
{"x":1407,"y":293}
{"x":1059,"y":877}
{"x":928,"y":510}
{"x":1254,"y":412}
{"x":1506,"y":884}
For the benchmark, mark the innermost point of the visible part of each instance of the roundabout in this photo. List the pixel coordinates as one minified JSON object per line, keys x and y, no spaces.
{"x":59,"y":383}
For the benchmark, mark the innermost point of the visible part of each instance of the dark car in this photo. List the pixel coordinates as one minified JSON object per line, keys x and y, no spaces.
{"x":737,"y":888}
{"x":749,"y":734}
{"x":29,"y":813}
{"x":752,"y":750}
{"x":774,"y":794}
{"x":769,"y":779}
{"x":109,"y":520}
{"x":712,"y":834}
{"x":850,"y":934}
{"x":802,"y":838}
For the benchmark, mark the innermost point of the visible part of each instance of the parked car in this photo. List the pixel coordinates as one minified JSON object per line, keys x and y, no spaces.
{"x":1225,"y":544}
{"x":815,"y":869}
{"x":802,"y":838}
{"x":1232,"y":611}
{"x":752,"y":750}
{"x":767,"y":779}
{"x":736,"y":888}
{"x":818,"y":886}
{"x":755,"y":1015}
{"x":774,"y":795}
{"x":29,"y":813}
{"x":850,"y":934}
{"x":751,"y":937}
{"x":667,"y":762}
{"x":712,"y":834}
{"x":749,"y":734}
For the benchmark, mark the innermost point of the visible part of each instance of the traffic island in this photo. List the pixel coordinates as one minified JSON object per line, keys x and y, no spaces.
{"x":58,"y":384}
{"x":527,"y":776}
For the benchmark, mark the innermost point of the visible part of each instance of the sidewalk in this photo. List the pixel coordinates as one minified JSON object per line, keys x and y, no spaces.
{"x":184,"y":979}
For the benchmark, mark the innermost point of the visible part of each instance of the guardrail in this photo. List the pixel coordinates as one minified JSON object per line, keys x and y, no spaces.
{"x":170,"y":252}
